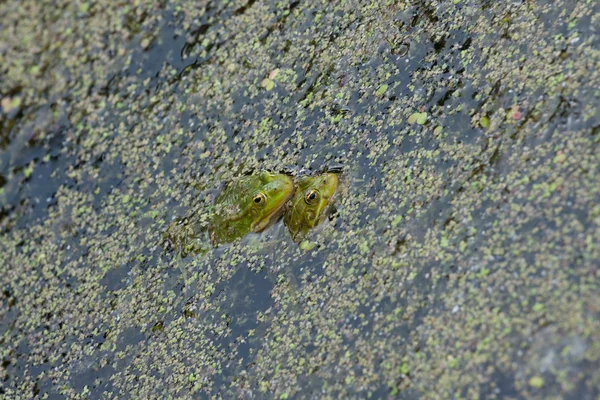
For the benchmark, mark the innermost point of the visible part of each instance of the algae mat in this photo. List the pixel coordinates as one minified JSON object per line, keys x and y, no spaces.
{"x":463,"y":259}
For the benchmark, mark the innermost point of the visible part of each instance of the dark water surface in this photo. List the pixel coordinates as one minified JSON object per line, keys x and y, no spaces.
{"x":463,"y":259}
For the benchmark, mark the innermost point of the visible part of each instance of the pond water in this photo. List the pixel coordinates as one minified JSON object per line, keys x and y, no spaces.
{"x":463,"y":257}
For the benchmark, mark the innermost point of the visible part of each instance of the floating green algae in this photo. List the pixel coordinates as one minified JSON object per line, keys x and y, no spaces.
{"x":462,"y":262}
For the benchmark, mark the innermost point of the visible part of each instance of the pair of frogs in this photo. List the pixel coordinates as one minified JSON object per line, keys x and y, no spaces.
{"x":253,"y":203}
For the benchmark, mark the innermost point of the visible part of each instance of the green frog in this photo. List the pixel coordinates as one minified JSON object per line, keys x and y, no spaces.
{"x":247,"y":204}
{"x":307,"y":208}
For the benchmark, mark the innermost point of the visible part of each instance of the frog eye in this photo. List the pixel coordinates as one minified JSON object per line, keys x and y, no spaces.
{"x":260,"y":199}
{"x":311,"y":196}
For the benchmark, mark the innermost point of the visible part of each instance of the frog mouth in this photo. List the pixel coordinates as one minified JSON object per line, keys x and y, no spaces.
{"x":274,"y":216}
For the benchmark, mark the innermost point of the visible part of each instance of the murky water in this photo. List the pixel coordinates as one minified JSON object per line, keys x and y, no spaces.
{"x":463,"y":258}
